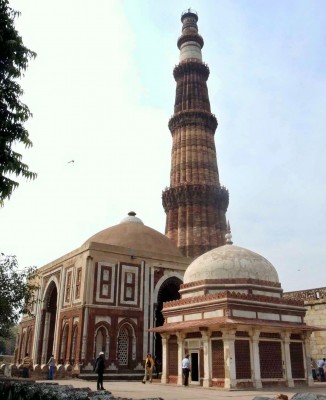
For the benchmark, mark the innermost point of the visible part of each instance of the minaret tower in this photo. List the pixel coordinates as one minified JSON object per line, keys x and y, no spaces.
{"x":195,"y":203}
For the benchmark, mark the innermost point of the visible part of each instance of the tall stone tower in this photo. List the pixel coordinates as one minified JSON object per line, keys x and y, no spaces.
{"x":195,"y":203}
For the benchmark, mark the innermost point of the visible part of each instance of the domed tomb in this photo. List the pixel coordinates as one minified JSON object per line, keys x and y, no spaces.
{"x":231,"y":268}
{"x":133,"y":234}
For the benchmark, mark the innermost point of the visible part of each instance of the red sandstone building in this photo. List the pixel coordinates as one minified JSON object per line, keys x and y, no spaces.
{"x":104,"y":296}
{"x":108,"y":294}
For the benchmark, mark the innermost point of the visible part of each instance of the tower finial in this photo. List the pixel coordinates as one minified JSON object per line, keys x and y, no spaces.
{"x":228,"y":236}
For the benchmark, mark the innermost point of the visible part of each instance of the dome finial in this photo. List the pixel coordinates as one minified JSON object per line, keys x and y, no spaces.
{"x":228,"y":236}
{"x":131,"y":218}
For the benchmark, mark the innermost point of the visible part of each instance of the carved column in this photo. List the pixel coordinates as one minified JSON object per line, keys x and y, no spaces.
{"x":181,"y":354}
{"x":255,"y":360}
{"x":85,"y":333}
{"x":287,"y":370}
{"x":107,"y":347}
{"x":207,"y":358}
{"x":228,"y":338}
{"x":45,"y":337}
{"x":165,"y":361}
{"x":307,"y":357}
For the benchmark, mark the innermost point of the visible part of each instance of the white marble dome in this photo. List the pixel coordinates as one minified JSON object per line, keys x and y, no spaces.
{"x":230,"y":262}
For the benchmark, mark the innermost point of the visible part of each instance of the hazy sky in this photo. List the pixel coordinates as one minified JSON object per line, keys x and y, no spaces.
{"x":101,"y":91}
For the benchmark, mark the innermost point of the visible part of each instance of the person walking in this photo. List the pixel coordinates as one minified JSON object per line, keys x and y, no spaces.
{"x":149,"y":365}
{"x":27,"y":363}
{"x":320,"y":365}
{"x":99,"y":369}
{"x":51,"y":364}
{"x":185,"y":370}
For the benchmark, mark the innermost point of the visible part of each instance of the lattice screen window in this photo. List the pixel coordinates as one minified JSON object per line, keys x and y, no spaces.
{"x":123,"y":346}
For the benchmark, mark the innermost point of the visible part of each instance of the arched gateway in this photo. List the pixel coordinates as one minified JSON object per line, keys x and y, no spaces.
{"x":168,"y":291}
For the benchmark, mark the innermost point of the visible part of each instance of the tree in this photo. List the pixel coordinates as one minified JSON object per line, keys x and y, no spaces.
{"x":14,"y":57}
{"x":7,"y":345}
{"x":17,"y":288}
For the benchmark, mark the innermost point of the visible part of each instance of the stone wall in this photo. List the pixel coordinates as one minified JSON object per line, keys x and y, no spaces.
{"x":315,"y":304}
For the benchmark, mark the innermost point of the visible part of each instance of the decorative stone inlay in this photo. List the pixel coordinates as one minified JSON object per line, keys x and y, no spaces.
{"x":232,"y":295}
{"x":245,"y":281}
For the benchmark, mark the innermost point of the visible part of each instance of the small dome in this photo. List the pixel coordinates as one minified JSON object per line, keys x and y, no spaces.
{"x":133,"y":234}
{"x":230,"y":262}
{"x":132,"y":218}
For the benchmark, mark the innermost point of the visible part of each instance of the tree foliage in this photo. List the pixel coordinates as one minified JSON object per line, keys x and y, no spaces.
{"x":7,"y":344}
{"x":17,"y":288}
{"x":14,"y":58}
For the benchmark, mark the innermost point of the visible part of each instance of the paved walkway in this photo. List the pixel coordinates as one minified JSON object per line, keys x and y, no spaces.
{"x":136,"y":390}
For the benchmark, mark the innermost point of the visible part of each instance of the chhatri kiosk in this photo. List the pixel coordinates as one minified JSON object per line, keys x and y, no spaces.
{"x":234,"y":323}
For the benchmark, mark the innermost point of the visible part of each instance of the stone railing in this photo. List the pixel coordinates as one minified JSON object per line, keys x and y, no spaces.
{"x":308,"y":296}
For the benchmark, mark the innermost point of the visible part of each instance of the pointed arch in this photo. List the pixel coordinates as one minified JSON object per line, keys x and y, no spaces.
{"x":21,"y":347}
{"x":167,"y":289}
{"x":126,"y":343}
{"x":74,"y":337}
{"x":102,"y":339}
{"x":165,"y":278}
{"x":48,"y":320}
{"x":29,"y":339}
{"x":64,"y":342}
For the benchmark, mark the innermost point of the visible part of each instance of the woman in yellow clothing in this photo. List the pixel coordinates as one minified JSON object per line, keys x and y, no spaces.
{"x":149,"y":365}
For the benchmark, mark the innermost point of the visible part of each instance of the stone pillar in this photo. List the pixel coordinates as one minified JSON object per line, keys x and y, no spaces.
{"x":146,"y":305}
{"x":207,"y":380}
{"x":84,"y":337}
{"x":255,"y":361}
{"x":107,"y":347}
{"x":287,"y":370}
{"x":45,"y":337}
{"x":181,"y":354}
{"x":307,"y":357}
{"x":165,"y":360}
{"x":37,"y":326}
{"x":228,"y":338}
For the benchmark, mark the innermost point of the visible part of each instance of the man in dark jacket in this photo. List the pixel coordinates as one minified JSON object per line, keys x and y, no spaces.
{"x":99,"y":369}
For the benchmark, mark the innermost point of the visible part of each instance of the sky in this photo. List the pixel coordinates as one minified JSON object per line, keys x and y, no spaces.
{"x":101,"y":91}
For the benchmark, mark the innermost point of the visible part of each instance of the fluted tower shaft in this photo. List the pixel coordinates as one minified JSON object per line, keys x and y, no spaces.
{"x":195,"y":203}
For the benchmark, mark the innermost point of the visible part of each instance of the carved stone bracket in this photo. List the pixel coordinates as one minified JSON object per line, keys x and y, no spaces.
{"x":195,"y":37}
{"x":193,"y":118}
{"x":189,"y":66}
{"x":195,"y":194}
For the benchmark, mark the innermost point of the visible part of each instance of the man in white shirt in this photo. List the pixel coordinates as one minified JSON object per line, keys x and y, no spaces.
{"x":185,"y":369}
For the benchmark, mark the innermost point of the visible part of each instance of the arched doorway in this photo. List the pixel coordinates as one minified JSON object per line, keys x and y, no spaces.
{"x":48,"y":321}
{"x":168,"y":291}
